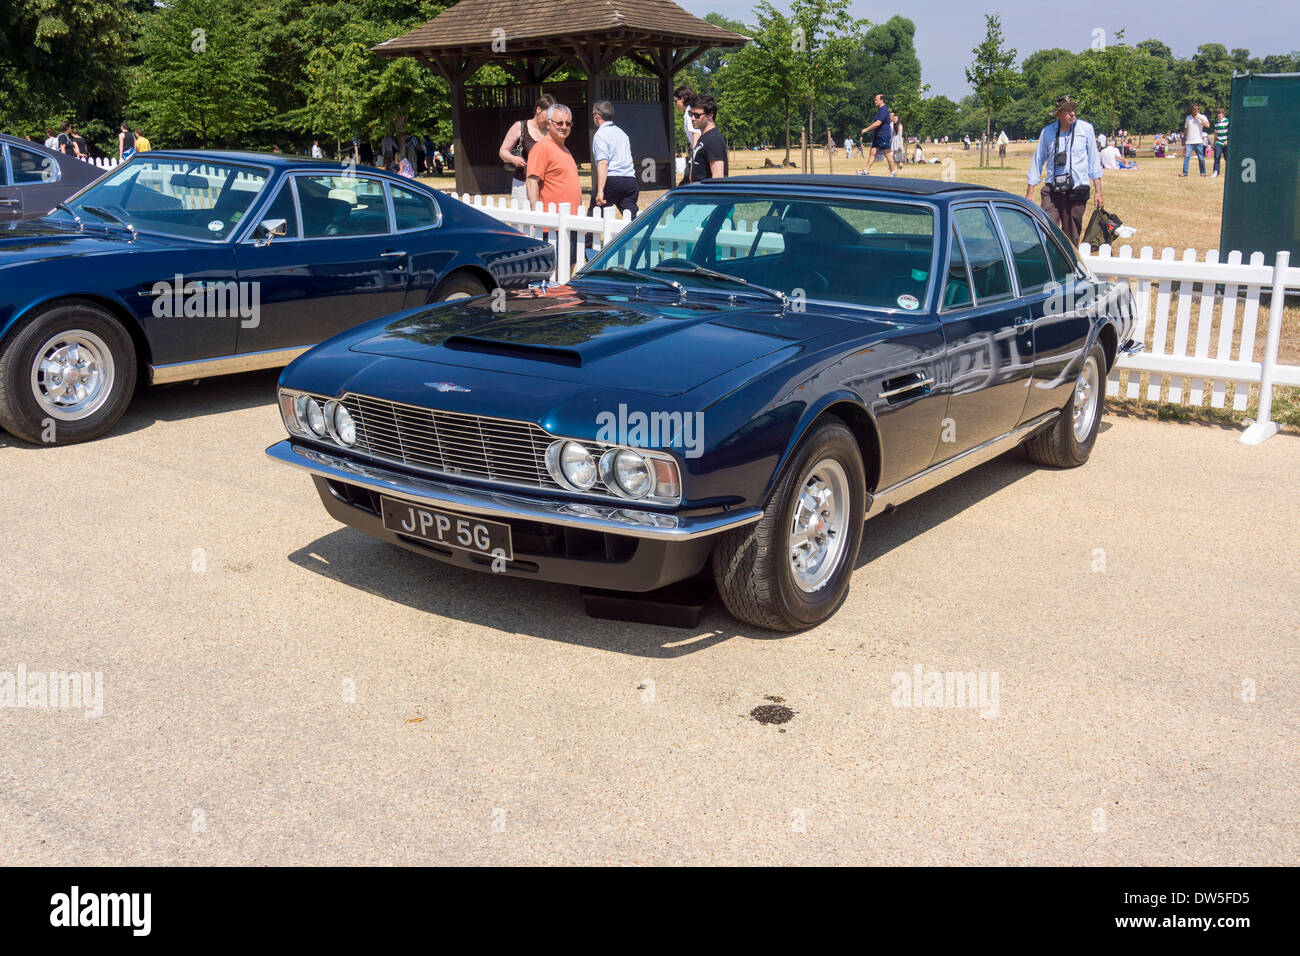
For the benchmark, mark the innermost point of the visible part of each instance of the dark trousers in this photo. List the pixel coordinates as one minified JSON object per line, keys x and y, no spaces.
{"x":1220,"y":150}
{"x":1066,"y":211}
{"x":621,"y":192}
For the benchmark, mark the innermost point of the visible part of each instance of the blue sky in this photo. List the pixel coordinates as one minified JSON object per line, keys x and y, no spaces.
{"x":945,"y":32}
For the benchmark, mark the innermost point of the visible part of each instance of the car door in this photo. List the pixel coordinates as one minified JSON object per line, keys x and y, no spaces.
{"x":11,"y":199}
{"x":37,"y":177}
{"x":988,"y":359}
{"x":338,"y":265}
{"x":1062,"y":322}
{"x":424,"y":245}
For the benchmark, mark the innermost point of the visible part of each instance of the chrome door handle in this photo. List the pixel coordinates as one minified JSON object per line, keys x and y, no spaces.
{"x":392,"y":253}
{"x":1024,"y":322}
{"x":924,"y":382}
{"x":10,"y":202}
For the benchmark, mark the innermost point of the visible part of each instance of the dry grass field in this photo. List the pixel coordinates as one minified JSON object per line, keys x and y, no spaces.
{"x":1165,"y":209}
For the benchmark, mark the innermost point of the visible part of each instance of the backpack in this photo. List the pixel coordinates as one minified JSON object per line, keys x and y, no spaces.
{"x":1102,"y":226}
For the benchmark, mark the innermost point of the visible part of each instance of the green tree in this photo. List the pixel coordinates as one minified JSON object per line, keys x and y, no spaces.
{"x":200,"y":76}
{"x":992,"y":75}
{"x":65,"y":59}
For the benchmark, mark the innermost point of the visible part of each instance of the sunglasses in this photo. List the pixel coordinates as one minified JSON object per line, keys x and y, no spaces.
{"x":697,"y":114}
{"x":561,"y":122}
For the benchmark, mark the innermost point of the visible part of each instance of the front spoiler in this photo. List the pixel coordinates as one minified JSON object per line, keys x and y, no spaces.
{"x":655,"y":526}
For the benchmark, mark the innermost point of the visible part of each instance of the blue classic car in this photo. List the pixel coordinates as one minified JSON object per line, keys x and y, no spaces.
{"x":181,"y":265}
{"x":747,"y":372}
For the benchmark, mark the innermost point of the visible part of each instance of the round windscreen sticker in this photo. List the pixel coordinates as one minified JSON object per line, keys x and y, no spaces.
{"x":216,"y":225}
{"x":908,"y":302}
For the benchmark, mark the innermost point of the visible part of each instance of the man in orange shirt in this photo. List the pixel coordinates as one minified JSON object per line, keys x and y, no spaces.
{"x":553,"y":173}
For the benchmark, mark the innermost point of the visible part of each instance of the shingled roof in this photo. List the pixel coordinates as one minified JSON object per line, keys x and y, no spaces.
{"x":535,"y":27}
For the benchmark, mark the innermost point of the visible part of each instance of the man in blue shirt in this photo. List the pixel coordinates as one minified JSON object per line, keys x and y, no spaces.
{"x":1068,"y":148}
{"x":614,"y":173}
{"x":880,"y":132}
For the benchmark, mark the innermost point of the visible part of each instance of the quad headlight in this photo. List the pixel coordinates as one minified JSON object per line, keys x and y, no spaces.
{"x":313,"y":417}
{"x":572,"y":465}
{"x":625,"y":472}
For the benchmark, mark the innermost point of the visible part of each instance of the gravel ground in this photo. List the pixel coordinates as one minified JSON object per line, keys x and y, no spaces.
{"x":279,"y":689}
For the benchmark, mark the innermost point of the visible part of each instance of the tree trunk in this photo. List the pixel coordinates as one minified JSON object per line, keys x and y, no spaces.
{"x":786,"y":161}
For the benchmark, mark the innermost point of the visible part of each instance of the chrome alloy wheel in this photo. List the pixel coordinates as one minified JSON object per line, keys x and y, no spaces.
{"x":817,"y":528}
{"x":72,"y":375}
{"x":1087,"y":399}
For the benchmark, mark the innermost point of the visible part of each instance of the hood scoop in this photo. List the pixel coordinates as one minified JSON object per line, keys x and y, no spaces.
{"x":520,"y":350}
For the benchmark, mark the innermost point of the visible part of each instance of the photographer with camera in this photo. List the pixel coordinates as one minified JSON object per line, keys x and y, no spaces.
{"x":1068,"y":148}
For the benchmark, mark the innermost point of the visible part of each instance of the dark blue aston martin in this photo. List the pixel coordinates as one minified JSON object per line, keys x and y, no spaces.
{"x":180,"y":265}
{"x":752,"y":368}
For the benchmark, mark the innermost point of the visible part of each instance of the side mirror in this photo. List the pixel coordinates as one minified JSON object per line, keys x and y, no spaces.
{"x":591,"y":253}
{"x":268,"y":229}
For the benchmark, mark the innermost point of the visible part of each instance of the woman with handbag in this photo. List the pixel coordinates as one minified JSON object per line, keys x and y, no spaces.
{"x":519,"y":141}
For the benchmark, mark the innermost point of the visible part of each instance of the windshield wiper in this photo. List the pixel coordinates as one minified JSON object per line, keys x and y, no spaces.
{"x":105,"y":214}
{"x":632,"y":273}
{"x":62,"y":205}
{"x":723,"y":277}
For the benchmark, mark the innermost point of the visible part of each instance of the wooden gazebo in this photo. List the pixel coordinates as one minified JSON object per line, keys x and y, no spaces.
{"x":532,"y":40}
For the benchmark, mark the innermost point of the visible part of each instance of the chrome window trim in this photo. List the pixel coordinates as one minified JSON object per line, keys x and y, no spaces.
{"x":987,"y":206}
{"x":9,"y":164}
{"x":4,"y":165}
{"x":955,"y":233}
{"x":1038,"y":229}
{"x":428,"y":194}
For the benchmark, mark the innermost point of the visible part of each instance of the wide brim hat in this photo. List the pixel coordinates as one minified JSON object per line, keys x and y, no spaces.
{"x":1065,"y":103}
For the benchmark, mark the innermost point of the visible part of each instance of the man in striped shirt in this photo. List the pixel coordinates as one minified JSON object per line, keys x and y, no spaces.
{"x":1220,"y":139}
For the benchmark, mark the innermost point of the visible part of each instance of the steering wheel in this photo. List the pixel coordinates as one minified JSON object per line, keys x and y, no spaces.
{"x":676,"y":262}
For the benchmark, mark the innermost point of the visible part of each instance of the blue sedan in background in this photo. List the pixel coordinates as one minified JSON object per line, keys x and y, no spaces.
{"x":750,"y":369}
{"x":182,"y":265}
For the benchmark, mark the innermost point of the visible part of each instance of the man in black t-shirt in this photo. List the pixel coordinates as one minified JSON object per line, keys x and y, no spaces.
{"x":709,"y":157}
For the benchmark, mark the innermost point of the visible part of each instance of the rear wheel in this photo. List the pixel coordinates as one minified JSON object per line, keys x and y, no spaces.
{"x":66,"y":376}
{"x":1068,"y":441}
{"x":791,"y":570}
{"x":457,"y":287}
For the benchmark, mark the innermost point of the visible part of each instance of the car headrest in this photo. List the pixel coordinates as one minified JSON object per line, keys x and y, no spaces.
{"x":788,"y":226}
{"x":349,"y":196}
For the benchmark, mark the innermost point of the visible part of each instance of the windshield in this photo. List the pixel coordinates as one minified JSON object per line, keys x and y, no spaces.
{"x":193,"y":199}
{"x":873,"y":254}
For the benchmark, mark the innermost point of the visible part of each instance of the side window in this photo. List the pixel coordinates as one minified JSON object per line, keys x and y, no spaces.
{"x":283,"y":208}
{"x":31,"y":167}
{"x":342,"y":206}
{"x":413,"y":210}
{"x":4,"y":168}
{"x":956,"y":289}
{"x":1062,"y":266}
{"x":988,"y":265}
{"x":1026,"y":250}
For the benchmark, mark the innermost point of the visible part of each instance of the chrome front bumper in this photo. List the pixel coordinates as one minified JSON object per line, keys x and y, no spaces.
{"x":609,"y":519}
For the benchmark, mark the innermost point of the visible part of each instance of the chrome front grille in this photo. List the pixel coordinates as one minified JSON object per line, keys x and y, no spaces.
{"x":451,"y":443}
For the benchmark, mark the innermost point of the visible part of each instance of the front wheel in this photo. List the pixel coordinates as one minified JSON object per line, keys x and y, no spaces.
{"x":791,"y":569}
{"x":1068,"y":441}
{"x":66,"y":376}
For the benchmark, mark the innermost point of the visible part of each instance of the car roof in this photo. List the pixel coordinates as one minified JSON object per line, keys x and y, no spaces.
{"x":857,"y":183}
{"x":30,"y":144}
{"x":246,"y":156}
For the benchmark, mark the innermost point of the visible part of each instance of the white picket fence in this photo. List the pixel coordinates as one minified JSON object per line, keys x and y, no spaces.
{"x":1185,"y":361}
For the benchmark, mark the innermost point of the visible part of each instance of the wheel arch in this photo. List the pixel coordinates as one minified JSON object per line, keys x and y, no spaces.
{"x":849,"y":409}
{"x":143,"y":353}
{"x":470,"y":270}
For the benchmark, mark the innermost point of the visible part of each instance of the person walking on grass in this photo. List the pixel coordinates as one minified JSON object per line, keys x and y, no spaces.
{"x":518,"y":144}
{"x":709,"y":157}
{"x":1194,"y":127}
{"x":1220,"y":138}
{"x":1068,"y":147}
{"x":552,"y":171}
{"x":880,"y":132}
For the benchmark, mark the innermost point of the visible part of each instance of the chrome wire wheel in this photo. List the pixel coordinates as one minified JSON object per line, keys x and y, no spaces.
{"x":817,"y":527}
{"x":72,"y":375}
{"x":1087,"y":399}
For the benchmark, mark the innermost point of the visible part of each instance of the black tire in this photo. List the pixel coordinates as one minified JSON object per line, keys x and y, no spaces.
{"x":96,"y":332}
{"x":458,"y":286}
{"x":1058,"y":446}
{"x":752,"y":566}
